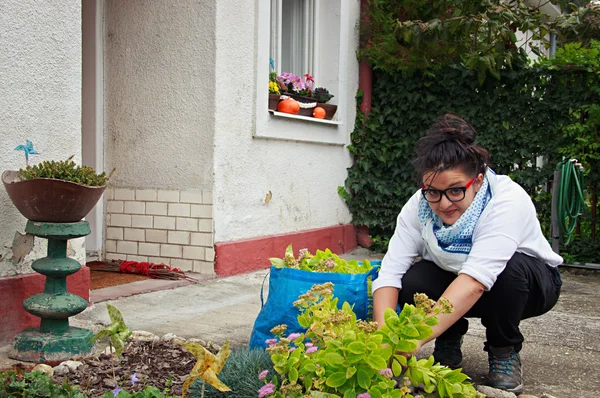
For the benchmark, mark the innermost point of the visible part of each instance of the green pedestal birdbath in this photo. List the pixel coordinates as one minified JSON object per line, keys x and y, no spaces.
{"x":54,"y":340}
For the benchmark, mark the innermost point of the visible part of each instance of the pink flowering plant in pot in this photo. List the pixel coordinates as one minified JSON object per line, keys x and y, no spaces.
{"x":340,"y":356}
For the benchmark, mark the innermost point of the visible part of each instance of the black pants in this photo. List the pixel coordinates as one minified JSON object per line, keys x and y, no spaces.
{"x":526,"y":288}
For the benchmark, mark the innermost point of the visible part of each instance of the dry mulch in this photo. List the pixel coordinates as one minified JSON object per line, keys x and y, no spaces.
{"x":100,"y":279}
{"x":161,"y":364}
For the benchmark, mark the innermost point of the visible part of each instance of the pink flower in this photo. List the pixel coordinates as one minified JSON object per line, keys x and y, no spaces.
{"x":262,"y":375}
{"x":293,"y":336}
{"x":292,"y":349}
{"x":271,"y":342}
{"x":311,"y":350}
{"x":308,"y":344}
{"x":387,"y":372}
{"x":364,"y":395}
{"x":266,"y":390}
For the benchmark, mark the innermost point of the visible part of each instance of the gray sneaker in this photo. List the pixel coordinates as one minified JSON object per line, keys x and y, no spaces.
{"x":506,"y":371}
{"x":447,"y":352}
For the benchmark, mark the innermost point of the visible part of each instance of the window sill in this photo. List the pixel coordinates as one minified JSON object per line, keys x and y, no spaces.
{"x":305,"y":118}
{"x":287,"y":127}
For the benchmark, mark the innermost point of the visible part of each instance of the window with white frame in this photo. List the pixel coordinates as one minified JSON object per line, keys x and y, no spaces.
{"x":294,"y":35}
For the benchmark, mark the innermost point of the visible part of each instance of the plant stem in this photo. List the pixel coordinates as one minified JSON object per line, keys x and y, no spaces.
{"x":112,"y":363}
{"x":202,"y":395}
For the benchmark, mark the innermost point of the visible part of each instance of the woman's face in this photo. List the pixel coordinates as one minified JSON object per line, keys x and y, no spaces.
{"x":452,"y":182}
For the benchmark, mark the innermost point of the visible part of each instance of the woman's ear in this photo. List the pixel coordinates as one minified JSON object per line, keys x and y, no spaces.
{"x":479,"y":181}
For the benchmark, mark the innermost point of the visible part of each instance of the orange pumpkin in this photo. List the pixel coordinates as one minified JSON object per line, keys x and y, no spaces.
{"x":319,"y":113}
{"x":289,"y":106}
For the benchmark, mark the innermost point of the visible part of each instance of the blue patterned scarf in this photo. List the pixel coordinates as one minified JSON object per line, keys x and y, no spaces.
{"x":456,"y":238}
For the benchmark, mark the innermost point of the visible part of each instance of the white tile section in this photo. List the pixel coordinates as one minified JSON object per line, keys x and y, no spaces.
{"x":131,"y":257}
{"x":111,"y":246}
{"x":126,"y":247}
{"x":164,"y":222}
{"x":109,"y":194}
{"x":115,"y":257}
{"x":187,"y":224}
{"x":205,"y":225}
{"x":114,"y":233}
{"x":135,"y":207}
{"x":149,"y":249}
{"x":190,"y":197}
{"x":170,"y":251}
{"x":120,"y":220}
{"x":168,"y":196}
{"x":141,"y":221}
{"x":147,"y":195}
{"x":207,"y":197}
{"x":204,"y":267}
{"x":209,"y":254}
{"x":201,"y":211}
{"x":156,"y":235}
{"x":200,"y":239}
{"x":179,"y":237}
{"x":156,"y":208}
{"x":194,"y":253}
{"x":135,"y":234}
{"x":184,"y":265}
{"x":179,"y":209}
{"x":114,"y":206}
{"x":124,"y":194}
{"x":160,"y":260}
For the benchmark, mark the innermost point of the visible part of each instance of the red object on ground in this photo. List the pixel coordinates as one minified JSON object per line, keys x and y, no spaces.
{"x":17,"y":288}
{"x":143,"y":268}
{"x":247,"y":255}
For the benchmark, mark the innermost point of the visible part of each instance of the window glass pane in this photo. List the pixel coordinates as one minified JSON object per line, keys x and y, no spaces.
{"x":293,"y":29}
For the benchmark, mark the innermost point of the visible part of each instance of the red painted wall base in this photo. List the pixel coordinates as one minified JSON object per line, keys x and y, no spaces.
{"x":17,"y":288}
{"x":252,"y":254}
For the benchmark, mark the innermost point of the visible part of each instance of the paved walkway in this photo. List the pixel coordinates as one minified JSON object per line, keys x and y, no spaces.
{"x":561,"y":355}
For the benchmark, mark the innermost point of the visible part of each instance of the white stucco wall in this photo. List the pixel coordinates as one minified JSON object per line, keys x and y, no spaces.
{"x":302,"y":177}
{"x":159,"y":93}
{"x":40,"y":100}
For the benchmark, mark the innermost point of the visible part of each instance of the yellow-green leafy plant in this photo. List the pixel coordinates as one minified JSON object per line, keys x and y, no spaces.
{"x":339,"y":355}
{"x":65,"y":170}
{"x":207,"y":367}
{"x":321,"y":261}
{"x":117,"y":331}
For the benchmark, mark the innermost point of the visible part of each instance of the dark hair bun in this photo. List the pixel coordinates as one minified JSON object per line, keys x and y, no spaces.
{"x":453,"y":128}
{"x":449,"y":144}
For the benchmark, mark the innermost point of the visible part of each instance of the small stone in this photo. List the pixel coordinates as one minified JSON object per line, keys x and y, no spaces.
{"x":142,"y":335}
{"x":72,"y":365}
{"x":168,"y":337}
{"x":42,"y":367}
{"x":178,"y":340}
{"x":544,"y":395}
{"x":61,"y":370}
{"x":110,"y":350}
{"x":527,"y":396}
{"x":110,"y":383}
{"x":197,"y":341}
{"x":491,"y":392}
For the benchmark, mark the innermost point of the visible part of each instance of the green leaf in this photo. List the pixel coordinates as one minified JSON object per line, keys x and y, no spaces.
{"x":333,"y":358}
{"x":376,"y":362}
{"x":293,"y":375}
{"x":336,"y":379}
{"x":396,"y":368}
{"x":278,"y":262}
{"x":357,"y":347}
{"x":407,"y":346}
{"x":364,"y":380}
{"x":350,"y":372}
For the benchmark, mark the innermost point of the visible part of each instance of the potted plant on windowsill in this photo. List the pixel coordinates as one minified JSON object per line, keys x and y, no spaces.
{"x":322,"y":95}
{"x":274,"y":94}
{"x":312,"y":102}
{"x":59,"y":192}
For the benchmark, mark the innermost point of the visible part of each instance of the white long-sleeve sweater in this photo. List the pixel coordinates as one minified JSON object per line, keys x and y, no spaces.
{"x":507,"y":225}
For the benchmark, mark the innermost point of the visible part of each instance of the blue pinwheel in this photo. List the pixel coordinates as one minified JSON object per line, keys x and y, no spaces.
{"x":272,"y":63}
{"x":28,"y":149}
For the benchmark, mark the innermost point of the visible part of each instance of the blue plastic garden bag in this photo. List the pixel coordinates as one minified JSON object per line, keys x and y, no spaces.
{"x":286,"y":284}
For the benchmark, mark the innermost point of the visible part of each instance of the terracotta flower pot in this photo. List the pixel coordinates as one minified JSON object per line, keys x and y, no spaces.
{"x":274,"y":101}
{"x":50,"y":200}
